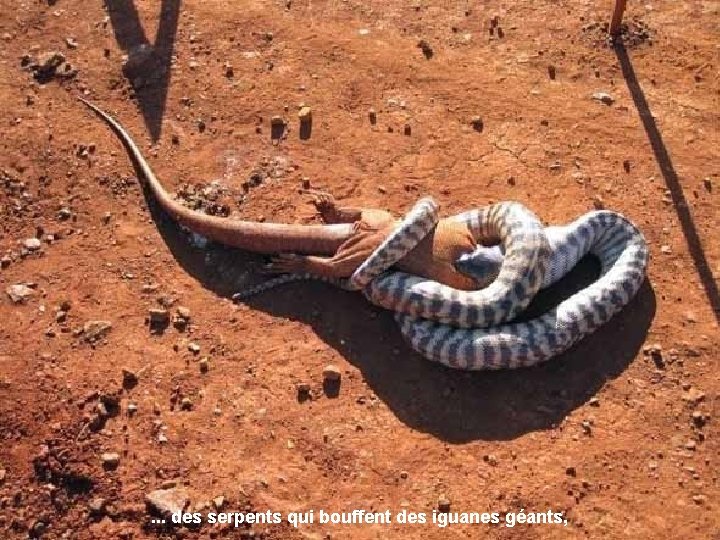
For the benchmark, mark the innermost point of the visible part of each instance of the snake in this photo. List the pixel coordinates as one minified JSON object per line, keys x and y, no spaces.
{"x":473,"y":330}
{"x":623,"y":254}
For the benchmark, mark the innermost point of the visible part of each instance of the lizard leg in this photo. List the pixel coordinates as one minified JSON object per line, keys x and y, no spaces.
{"x":329,"y":267}
{"x":331,"y":212}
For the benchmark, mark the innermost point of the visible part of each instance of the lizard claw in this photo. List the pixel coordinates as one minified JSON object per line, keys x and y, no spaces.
{"x":325,"y":205}
{"x":285,"y":263}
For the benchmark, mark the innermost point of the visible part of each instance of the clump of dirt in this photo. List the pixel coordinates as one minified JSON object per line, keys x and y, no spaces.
{"x":632,"y":34}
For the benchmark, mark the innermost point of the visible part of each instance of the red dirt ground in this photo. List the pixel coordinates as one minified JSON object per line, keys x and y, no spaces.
{"x":605,"y":433}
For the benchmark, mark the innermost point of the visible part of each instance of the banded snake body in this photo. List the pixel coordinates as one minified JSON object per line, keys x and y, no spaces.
{"x":474,"y":329}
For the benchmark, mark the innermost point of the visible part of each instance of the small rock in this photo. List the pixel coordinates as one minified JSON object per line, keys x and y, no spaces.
{"x":698,"y":418}
{"x":571,"y":471}
{"x":186,"y":404}
{"x":598,"y":202}
{"x":305,"y":115}
{"x":477,"y":123}
{"x":48,"y":64}
{"x":158,"y":317}
{"x":5,"y":261}
{"x":131,"y":408}
{"x":96,"y":330}
{"x":693,"y":396}
{"x":372,"y":115}
{"x":699,"y":499}
{"x":106,"y":217}
{"x":551,"y":72}
{"x":594,"y":402}
{"x":194,"y":348}
{"x":32,"y":244}
{"x":96,"y":506}
{"x":667,"y":250}
{"x":219,"y":502}
{"x":407,"y":129}
{"x":690,"y":445}
{"x":426,"y":49}
{"x":71,"y":43}
{"x":332,"y":373}
{"x":443,"y":504}
{"x":148,"y":288}
{"x":167,"y":501}
{"x":19,"y":293}
{"x":183,"y":313}
{"x":303,"y":390}
{"x":110,"y":460}
{"x":204,"y":365}
{"x":602,"y":97}
{"x":130,"y":378}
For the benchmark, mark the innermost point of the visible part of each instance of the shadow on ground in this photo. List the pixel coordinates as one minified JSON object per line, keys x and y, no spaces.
{"x":453,"y":405}
{"x":148,"y":68}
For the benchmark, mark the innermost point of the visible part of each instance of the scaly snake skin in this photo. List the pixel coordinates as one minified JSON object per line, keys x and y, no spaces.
{"x":623,"y":255}
{"x":469,"y":329}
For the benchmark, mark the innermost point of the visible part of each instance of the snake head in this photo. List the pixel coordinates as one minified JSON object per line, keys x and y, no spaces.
{"x":483,"y":264}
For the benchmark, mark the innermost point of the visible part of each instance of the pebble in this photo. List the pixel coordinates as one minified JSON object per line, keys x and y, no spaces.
{"x":204,"y":365}
{"x":130,"y":378}
{"x":443,"y":504}
{"x":32,"y":244}
{"x":699,"y":499}
{"x":95,"y":330}
{"x":372,"y":116}
{"x":71,"y":43}
{"x":602,"y":97}
{"x":426,"y":49}
{"x":690,"y":445}
{"x":698,"y":418}
{"x":167,"y":501}
{"x":332,"y":373}
{"x":5,"y":261}
{"x":19,"y":293}
{"x":183,"y":312}
{"x":96,"y":505}
{"x":186,"y":404}
{"x":194,"y":348}
{"x":305,"y":115}
{"x":477,"y":123}
{"x":665,"y":249}
{"x":551,"y":72}
{"x":110,"y":460}
{"x":158,"y":316}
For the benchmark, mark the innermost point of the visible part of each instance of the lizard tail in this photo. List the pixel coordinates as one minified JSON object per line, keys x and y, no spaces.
{"x":257,"y":237}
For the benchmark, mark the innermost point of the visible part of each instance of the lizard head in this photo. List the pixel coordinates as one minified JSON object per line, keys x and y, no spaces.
{"x":483,"y":264}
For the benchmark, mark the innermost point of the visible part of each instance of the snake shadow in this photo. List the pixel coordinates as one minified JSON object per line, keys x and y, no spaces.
{"x":454,"y":406}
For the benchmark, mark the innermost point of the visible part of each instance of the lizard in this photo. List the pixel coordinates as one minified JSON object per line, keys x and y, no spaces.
{"x":333,"y":250}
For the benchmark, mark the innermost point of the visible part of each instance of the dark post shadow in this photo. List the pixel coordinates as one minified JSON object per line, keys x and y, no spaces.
{"x":671,"y":179}
{"x":148,"y":68}
{"x":455,"y":406}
